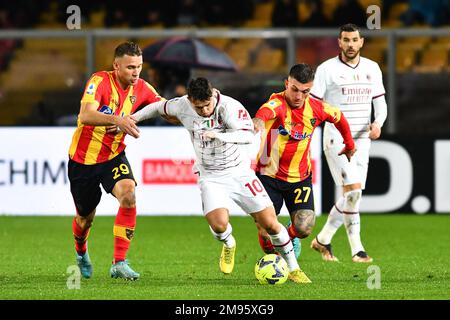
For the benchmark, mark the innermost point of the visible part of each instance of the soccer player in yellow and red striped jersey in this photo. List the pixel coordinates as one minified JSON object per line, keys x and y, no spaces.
{"x":287,"y":121}
{"x":97,"y":156}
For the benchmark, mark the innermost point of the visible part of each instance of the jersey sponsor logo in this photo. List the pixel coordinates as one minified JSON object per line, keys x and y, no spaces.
{"x":281,"y":130}
{"x":294,"y":134}
{"x":105,"y":109}
{"x":300,"y":136}
{"x":168,"y":171}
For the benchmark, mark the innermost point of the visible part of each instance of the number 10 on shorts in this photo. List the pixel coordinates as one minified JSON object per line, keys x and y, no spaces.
{"x":255,"y":186}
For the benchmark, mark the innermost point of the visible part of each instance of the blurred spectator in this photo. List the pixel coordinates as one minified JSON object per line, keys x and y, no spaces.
{"x":170,"y":82}
{"x":115,"y":14}
{"x":285,"y":14}
{"x":188,"y":13}
{"x":431,"y":12}
{"x":387,"y":5}
{"x":349,"y":11}
{"x":215,"y":12}
{"x":244,"y":13}
{"x":316,"y":19}
{"x":6,"y":45}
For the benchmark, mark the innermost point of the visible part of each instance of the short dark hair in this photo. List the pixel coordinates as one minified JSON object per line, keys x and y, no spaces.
{"x":349,"y":27}
{"x":302,"y":72}
{"x":127,"y":48}
{"x":199,"y":89}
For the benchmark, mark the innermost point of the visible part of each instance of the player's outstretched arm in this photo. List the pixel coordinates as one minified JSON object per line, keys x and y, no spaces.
{"x":91,"y":117}
{"x":258,"y":124}
{"x":151,"y":110}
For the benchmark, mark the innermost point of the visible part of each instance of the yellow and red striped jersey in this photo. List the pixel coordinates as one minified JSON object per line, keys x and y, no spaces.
{"x":285,"y":145}
{"x":91,"y":144}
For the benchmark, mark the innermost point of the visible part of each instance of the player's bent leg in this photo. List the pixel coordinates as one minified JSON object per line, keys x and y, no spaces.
{"x":281,"y":241}
{"x":264,"y":240}
{"x":81,"y":227}
{"x":295,"y":241}
{"x":304,"y":221}
{"x":218,"y":220}
{"x":85,"y":265}
{"x":124,"y":191}
{"x":324,"y":249}
{"x":124,"y":228}
{"x":334,"y":221}
{"x":352,"y":222}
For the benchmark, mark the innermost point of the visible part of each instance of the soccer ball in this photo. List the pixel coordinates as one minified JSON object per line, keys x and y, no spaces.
{"x":271,"y":269}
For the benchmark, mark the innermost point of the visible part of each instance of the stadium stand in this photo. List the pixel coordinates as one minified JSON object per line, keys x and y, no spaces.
{"x":28,"y":83}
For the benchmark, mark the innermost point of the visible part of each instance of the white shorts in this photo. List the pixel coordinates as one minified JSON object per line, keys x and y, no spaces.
{"x":345,"y":172}
{"x":244,"y":189}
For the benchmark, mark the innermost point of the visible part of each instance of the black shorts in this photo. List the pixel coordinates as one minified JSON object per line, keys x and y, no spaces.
{"x":85,"y":181}
{"x":297,"y":195}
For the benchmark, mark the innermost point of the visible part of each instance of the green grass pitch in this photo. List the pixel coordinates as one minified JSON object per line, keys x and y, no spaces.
{"x":178,"y":260}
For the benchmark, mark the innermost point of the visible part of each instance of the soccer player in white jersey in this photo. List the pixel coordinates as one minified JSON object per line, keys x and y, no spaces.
{"x":352,"y":83}
{"x":218,"y":126}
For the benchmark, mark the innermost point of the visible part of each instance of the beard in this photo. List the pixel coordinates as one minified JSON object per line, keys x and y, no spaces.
{"x":352,"y":55}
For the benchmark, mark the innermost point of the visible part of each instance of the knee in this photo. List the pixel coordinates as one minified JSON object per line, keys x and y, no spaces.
{"x":272,"y":226}
{"x":218,"y":227}
{"x":352,"y":200}
{"x":267,"y":221}
{"x":304,"y":221}
{"x":127,"y":197}
{"x":353,"y":196}
{"x":84,"y":222}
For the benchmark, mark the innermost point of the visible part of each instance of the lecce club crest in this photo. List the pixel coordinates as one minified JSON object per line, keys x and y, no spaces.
{"x":132,"y":99}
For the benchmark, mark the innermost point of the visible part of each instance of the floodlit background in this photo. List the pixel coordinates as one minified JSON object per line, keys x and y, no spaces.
{"x":48,"y":49}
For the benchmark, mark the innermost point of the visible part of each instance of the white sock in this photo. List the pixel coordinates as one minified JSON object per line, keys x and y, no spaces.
{"x":352,"y":220}
{"x":334,"y":221}
{"x":226,"y":237}
{"x":283,"y":244}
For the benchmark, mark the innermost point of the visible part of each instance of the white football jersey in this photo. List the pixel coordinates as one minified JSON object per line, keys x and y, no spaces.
{"x":213,"y":155}
{"x":350,"y":88}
